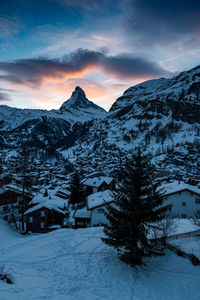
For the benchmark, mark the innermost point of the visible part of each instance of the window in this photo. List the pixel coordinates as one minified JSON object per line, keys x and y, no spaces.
{"x":30,"y":219}
{"x":198,"y":212}
{"x":183,"y":216}
{"x":80,"y":223}
{"x":42,"y":225}
{"x":100,"y":210}
{"x":95,"y":190}
{"x":184,"y":203}
{"x":5,"y":208}
{"x":197,"y":201}
{"x":42,"y":213}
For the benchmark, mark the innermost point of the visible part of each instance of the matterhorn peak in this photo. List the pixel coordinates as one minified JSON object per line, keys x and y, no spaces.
{"x":79,"y":102}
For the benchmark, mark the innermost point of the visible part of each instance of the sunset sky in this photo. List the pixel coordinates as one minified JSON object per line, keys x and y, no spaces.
{"x":47,"y":47}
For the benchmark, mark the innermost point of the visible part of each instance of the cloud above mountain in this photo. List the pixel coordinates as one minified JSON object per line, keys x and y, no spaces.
{"x":4,"y":97}
{"x":80,"y":62}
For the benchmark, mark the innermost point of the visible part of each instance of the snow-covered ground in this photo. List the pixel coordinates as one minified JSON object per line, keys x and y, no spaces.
{"x":75,"y":264}
{"x":189,"y":245}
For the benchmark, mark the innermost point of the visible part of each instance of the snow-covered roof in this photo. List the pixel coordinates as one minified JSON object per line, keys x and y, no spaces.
{"x":51,"y":198}
{"x":97,"y":181}
{"x":98,"y":199}
{"x":17,"y":189}
{"x":82,"y":213}
{"x":46,"y":205}
{"x":176,"y":187}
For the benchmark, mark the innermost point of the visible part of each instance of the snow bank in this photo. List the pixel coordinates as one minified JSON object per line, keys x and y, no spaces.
{"x":72,"y":264}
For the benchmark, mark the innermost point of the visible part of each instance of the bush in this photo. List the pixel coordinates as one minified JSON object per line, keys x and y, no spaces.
{"x":5,"y":276}
{"x":195,"y":261}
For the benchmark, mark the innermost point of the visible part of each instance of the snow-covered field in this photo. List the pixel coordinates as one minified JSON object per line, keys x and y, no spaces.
{"x":74,"y":264}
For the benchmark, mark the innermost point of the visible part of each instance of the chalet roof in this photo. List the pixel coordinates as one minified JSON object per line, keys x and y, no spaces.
{"x":99,"y":199}
{"x":46,"y":205}
{"x":16,"y":189}
{"x":82,"y":213}
{"x":97,"y":181}
{"x":52,"y":198}
{"x":175,"y":187}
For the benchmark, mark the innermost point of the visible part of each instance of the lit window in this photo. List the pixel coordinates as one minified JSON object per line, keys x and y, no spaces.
{"x":42,"y":213}
{"x":30,"y":219}
{"x":42,"y":225}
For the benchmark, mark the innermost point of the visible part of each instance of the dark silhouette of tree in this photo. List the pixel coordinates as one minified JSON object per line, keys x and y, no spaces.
{"x":76,"y":188}
{"x":138,"y":207}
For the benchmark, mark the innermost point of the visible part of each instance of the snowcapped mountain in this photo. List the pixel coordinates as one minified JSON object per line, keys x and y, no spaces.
{"x":77,"y":109}
{"x":179,"y":96}
{"x":78,"y":105}
{"x":46,"y":126}
{"x":163,"y":115}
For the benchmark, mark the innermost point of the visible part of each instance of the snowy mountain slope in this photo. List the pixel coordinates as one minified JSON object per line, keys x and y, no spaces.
{"x":47,"y":126}
{"x":178,"y":96}
{"x":163,"y":115}
{"x":74,"y":265}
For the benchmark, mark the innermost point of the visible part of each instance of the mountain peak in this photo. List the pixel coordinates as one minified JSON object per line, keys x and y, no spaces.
{"x":78,"y":93}
{"x":79,"y":102}
{"x":79,"y":89}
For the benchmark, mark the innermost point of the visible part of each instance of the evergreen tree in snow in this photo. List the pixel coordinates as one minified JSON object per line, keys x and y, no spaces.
{"x":138,"y":207}
{"x":76,"y":188}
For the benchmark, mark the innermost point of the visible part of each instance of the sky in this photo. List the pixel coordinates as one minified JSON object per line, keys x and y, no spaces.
{"x":48,"y":47}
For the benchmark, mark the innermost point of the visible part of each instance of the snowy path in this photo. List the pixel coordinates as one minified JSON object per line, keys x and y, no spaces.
{"x":74,"y":264}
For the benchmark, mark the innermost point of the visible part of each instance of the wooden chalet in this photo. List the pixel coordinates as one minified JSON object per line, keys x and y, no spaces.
{"x":82,"y":218}
{"x":97,"y":184}
{"x":44,"y":217}
{"x":10,"y":198}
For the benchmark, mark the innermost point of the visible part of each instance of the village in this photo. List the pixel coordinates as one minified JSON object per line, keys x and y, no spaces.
{"x":47,"y":203}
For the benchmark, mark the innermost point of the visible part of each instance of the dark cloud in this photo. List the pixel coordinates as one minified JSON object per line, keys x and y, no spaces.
{"x":129,"y":67}
{"x":34,"y":71}
{"x":4,"y":97}
{"x":161,"y":22}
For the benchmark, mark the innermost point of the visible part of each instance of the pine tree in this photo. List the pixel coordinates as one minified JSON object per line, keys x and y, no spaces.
{"x":76,"y":188}
{"x":138,"y":206}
